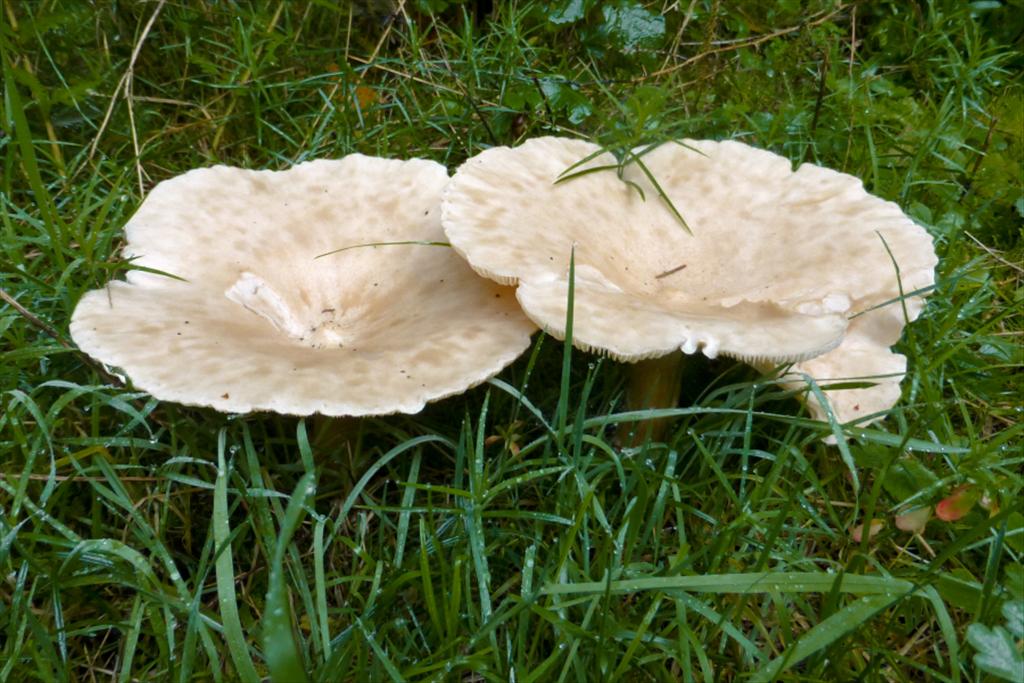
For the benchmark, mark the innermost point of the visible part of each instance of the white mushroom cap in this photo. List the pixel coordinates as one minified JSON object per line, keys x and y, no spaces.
{"x":261,"y":324}
{"x":776,"y":260}
{"x":863,"y":357}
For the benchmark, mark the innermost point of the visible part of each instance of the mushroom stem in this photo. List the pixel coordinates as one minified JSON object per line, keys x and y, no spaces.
{"x":653,"y":383}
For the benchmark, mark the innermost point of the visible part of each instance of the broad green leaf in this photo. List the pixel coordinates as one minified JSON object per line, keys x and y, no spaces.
{"x":630,"y":27}
{"x":997,"y":653}
{"x":568,"y":12}
{"x":1013,"y":612}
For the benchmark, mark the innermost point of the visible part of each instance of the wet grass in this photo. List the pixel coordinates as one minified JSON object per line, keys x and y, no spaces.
{"x":503,"y":534}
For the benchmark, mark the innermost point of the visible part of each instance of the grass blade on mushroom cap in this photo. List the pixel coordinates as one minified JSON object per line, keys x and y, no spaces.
{"x":422,"y":243}
{"x":626,"y":157}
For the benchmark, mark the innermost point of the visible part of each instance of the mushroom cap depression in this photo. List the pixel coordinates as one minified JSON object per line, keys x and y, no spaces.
{"x":776,"y":262}
{"x":257,"y":322}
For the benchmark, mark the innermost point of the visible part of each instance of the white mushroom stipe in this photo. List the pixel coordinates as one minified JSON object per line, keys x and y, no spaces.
{"x":261,"y":323}
{"x":777,"y":259}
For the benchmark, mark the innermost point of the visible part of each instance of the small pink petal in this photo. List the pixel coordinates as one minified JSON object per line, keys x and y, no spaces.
{"x":957,"y":504}
{"x":857,"y":532}
{"x":914,"y":521}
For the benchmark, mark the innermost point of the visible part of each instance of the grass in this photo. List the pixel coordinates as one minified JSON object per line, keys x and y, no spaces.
{"x":502,"y":535}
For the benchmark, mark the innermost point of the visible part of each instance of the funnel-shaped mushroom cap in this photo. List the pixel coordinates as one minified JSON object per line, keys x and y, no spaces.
{"x":776,"y":260}
{"x":260,"y":323}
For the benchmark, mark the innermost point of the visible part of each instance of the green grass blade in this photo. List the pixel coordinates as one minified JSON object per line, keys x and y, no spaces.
{"x":758,"y":582}
{"x":350,"y":500}
{"x":422,"y":243}
{"x":393,"y":673}
{"x":661,"y":193}
{"x":320,"y":586}
{"x":225,"y":570}
{"x":408,"y":498}
{"x":280,"y":648}
{"x":131,"y":641}
{"x":562,"y":410}
{"x":817,"y":638}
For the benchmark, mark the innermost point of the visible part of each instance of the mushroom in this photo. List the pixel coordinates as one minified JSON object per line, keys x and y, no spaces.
{"x":252,"y":320}
{"x":864,"y":356}
{"x":766,"y":268}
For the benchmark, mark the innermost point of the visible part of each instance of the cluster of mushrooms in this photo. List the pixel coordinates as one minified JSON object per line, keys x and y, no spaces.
{"x":771,"y":266}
